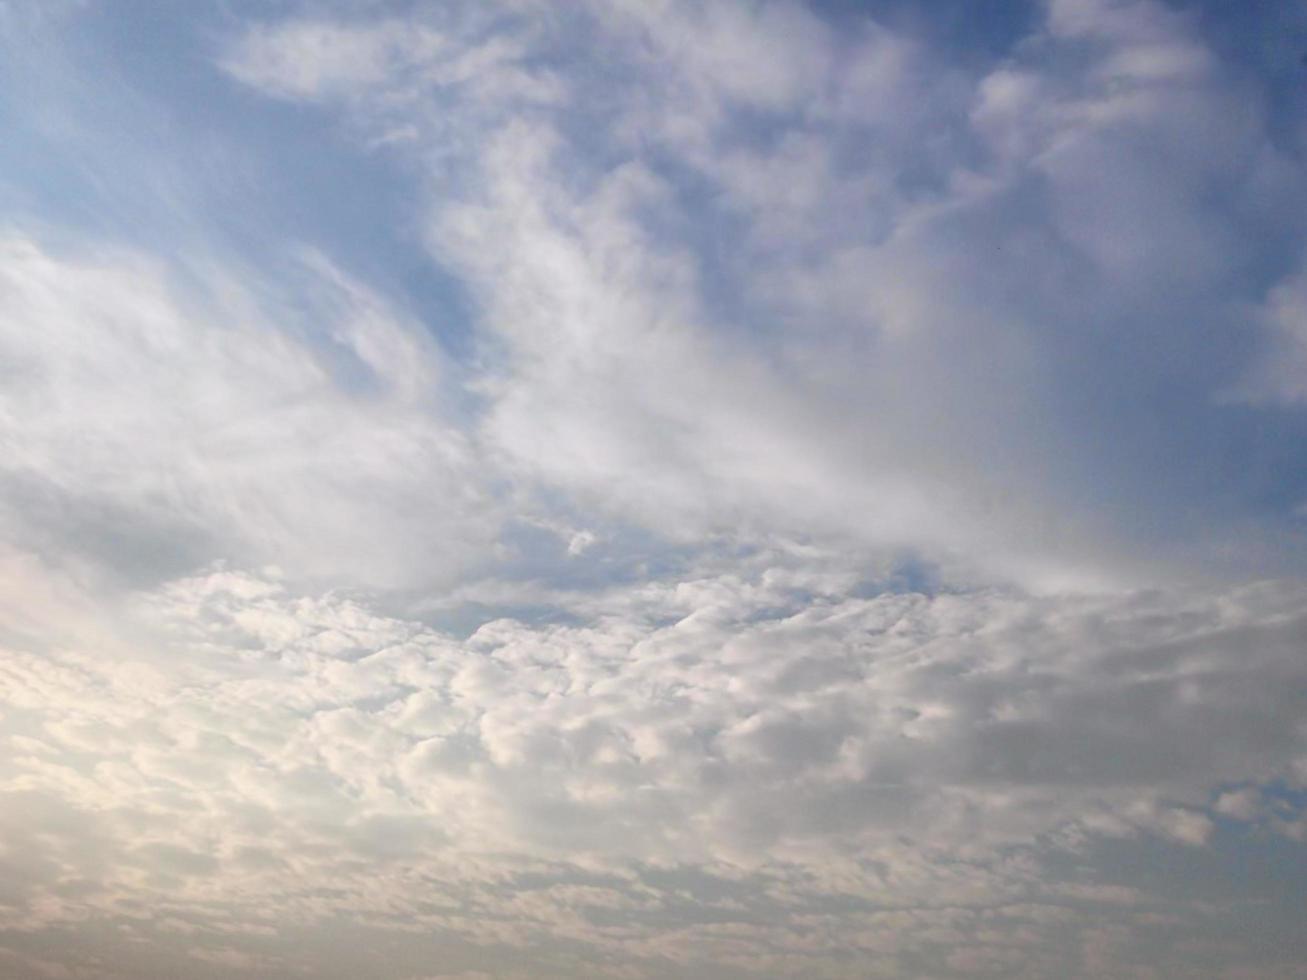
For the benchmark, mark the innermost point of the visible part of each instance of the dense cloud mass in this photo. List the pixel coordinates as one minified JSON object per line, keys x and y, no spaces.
{"x":756,"y":771}
{"x":653,"y":489}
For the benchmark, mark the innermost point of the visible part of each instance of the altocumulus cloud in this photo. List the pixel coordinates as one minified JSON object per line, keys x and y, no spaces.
{"x":653,"y":489}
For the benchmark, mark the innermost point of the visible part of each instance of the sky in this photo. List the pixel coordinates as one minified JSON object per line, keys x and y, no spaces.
{"x":651,"y":489}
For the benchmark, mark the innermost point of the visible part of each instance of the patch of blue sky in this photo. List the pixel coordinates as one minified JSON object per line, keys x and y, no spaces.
{"x":127,"y":131}
{"x":972,"y":29}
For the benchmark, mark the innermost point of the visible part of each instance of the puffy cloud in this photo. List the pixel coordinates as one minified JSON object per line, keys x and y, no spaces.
{"x":815,"y":749}
{"x":1241,"y":804}
{"x":848,"y":530}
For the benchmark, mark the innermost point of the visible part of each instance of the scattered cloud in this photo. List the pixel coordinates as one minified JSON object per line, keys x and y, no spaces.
{"x":803,"y":754}
{"x":652,"y":489}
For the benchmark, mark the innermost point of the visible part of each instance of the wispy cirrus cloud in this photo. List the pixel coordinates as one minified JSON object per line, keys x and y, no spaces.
{"x":937,"y":266}
{"x":149,"y":425}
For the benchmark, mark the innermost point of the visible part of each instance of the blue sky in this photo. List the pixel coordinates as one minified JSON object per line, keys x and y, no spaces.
{"x":653,"y":489}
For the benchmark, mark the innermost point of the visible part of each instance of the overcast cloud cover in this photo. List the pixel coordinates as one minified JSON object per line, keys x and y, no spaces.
{"x":653,"y":489}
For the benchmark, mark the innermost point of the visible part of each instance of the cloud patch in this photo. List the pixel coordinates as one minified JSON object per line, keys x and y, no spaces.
{"x":855,"y":754}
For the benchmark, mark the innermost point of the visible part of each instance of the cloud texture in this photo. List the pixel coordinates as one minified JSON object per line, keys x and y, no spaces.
{"x":753,"y":772}
{"x":653,"y":489}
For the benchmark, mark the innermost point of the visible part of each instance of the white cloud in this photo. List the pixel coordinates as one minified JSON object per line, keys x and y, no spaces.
{"x":148,"y":429}
{"x":806,"y":564}
{"x":322,"y":59}
{"x":876,"y":350}
{"x":268,"y":747}
{"x":1240,"y":804}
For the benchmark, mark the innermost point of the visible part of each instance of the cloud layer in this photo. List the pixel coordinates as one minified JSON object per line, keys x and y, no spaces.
{"x":698,"y":772}
{"x":653,"y":489}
